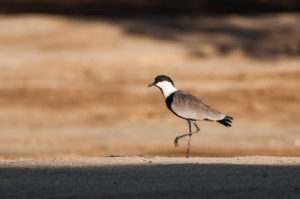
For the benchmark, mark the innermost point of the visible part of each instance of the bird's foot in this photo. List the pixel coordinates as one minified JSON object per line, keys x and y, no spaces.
{"x":176,"y":144}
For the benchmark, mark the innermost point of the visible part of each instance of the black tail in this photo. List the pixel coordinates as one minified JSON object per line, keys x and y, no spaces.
{"x":226,"y":121}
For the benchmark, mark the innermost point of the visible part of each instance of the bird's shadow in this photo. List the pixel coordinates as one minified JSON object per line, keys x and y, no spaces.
{"x":150,"y":180}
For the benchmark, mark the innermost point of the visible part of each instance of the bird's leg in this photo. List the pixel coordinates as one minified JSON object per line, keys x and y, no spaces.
{"x":190,"y":138}
{"x":197,"y":127}
{"x":181,"y":136}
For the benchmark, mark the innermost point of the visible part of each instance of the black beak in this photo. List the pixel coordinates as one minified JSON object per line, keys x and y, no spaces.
{"x":151,"y":85}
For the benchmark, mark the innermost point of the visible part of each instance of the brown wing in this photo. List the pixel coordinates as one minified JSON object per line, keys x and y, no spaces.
{"x":190,"y":107}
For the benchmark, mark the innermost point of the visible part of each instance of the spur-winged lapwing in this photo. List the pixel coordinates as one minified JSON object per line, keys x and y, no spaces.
{"x":188,"y":107}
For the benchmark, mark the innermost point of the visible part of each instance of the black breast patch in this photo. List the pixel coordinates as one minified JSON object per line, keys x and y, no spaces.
{"x":169,"y":101}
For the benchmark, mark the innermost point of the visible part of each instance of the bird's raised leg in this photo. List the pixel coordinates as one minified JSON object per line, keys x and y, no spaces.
{"x":197,"y":127}
{"x":186,"y":134}
{"x":181,"y":136}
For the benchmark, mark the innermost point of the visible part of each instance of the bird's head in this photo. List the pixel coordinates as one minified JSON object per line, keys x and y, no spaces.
{"x":165,"y":84}
{"x":162,"y":81}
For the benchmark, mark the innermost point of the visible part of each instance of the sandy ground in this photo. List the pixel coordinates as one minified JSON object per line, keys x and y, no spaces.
{"x":76,"y":87}
{"x":151,"y":177}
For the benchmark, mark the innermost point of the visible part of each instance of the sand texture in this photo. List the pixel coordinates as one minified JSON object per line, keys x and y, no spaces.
{"x":76,"y":87}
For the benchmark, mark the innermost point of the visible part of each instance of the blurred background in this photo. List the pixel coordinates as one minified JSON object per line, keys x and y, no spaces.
{"x":74,"y":76}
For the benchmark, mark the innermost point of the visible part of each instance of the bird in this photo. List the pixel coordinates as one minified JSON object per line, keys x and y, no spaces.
{"x":188,"y":107}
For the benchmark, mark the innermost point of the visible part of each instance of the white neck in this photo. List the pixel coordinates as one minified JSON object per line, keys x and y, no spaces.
{"x":167,"y":88}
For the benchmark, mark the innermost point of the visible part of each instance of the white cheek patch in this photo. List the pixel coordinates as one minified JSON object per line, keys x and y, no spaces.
{"x":162,"y":84}
{"x":167,"y":88}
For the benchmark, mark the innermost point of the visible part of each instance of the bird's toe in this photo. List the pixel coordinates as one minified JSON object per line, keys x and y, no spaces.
{"x":176,"y":142}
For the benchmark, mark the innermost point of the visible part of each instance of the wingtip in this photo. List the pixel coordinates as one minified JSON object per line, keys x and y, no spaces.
{"x":226,"y":121}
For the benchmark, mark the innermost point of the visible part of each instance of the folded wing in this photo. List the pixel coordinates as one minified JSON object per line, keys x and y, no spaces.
{"x":190,"y":107}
